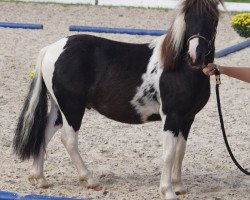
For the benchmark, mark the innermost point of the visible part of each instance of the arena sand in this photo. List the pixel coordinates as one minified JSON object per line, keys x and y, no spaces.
{"x":126,"y":158}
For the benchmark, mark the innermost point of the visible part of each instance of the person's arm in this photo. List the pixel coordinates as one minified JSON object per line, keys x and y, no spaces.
{"x":241,"y":73}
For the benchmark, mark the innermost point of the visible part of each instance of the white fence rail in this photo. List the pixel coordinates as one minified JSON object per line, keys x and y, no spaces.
{"x":91,"y":2}
{"x":140,"y":3}
{"x":230,"y":6}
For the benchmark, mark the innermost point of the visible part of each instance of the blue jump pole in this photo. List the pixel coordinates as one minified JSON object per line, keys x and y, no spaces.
{"x":15,"y":196}
{"x":20,"y":25}
{"x":8,"y":195}
{"x":117,"y":30}
{"x":232,"y":49}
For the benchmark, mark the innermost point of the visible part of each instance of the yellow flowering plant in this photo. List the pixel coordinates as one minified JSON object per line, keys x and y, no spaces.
{"x":32,"y":73}
{"x":241,"y":23}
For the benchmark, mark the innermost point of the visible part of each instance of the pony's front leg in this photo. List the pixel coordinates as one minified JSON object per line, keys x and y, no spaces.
{"x":180,"y":152}
{"x":170,"y":134}
{"x":176,"y":178}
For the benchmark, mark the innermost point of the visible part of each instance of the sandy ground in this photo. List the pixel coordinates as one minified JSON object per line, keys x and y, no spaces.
{"x":126,"y":158}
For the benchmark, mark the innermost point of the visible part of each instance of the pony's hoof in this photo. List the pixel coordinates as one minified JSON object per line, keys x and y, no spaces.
{"x":91,"y":183}
{"x":179,"y":189}
{"x":167,"y":194}
{"x":40,"y":182}
{"x":95,"y":187}
{"x":181,"y":193}
{"x":94,"y":184}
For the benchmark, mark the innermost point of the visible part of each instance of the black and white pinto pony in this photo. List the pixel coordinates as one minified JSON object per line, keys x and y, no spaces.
{"x":129,"y":83}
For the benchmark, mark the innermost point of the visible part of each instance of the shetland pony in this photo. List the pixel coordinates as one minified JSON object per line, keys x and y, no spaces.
{"x":129,"y":83}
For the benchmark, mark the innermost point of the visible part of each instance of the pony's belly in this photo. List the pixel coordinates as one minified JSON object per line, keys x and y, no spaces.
{"x":127,"y":113}
{"x":124,"y":113}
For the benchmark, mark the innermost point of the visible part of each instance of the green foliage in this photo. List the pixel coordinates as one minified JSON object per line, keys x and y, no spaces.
{"x":239,"y":1}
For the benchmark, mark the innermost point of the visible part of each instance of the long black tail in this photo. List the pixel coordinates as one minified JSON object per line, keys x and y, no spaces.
{"x":30,"y":132}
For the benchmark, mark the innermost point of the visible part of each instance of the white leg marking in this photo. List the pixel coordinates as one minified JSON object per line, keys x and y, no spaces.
{"x":180,"y":152}
{"x":36,"y":176}
{"x":169,"y":149}
{"x":70,"y":140}
{"x":193,"y":44}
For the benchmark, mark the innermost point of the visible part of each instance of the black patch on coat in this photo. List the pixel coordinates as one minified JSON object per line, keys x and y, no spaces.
{"x":154,"y":117}
{"x":151,"y":90}
{"x":102,"y":73}
{"x":154,"y":70}
{"x":154,"y":97}
{"x":141,"y":102}
{"x":58,"y":119}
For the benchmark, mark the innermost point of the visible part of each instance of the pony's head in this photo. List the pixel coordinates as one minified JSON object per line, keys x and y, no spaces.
{"x":192,"y":35}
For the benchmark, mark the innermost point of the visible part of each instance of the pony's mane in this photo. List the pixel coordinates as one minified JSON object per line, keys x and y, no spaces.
{"x":202,"y":6}
{"x":173,"y":41}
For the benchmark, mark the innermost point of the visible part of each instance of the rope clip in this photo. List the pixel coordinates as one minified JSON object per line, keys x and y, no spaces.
{"x":217,"y":75}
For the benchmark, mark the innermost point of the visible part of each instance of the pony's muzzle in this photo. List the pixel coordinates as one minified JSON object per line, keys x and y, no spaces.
{"x":196,"y":59}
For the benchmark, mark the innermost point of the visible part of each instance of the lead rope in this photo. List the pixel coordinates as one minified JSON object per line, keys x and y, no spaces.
{"x":218,"y":82}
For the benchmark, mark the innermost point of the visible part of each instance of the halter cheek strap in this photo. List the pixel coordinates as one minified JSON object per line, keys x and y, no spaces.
{"x":202,"y":37}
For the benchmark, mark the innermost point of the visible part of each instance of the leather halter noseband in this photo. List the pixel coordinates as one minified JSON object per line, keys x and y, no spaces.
{"x":209,"y":42}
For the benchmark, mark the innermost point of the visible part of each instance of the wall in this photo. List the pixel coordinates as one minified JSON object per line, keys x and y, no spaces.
{"x":143,"y":3}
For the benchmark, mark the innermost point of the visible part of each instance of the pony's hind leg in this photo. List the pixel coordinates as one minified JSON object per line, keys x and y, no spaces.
{"x":72,"y":117}
{"x":54,"y":123}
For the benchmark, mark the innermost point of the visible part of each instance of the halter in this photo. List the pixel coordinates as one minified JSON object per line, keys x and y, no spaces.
{"x":209,"y":42}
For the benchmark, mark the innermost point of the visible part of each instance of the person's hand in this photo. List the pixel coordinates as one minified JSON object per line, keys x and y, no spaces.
{"x":209,"y":69}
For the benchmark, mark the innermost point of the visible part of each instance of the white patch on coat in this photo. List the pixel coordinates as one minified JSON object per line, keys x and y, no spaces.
{"x":192,"y":51}
{"x":48,"y":65}
{"x":150,"y":81}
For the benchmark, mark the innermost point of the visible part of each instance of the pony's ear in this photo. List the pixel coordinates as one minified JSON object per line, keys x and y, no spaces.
{"x":221,"y":2}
